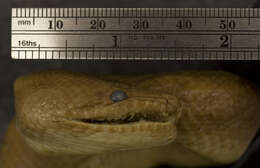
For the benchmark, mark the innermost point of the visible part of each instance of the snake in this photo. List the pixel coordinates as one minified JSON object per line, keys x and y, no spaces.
{"x":75,"y":120}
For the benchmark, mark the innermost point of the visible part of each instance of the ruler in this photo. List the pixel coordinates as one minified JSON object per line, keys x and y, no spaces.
{"x":136,"y":33}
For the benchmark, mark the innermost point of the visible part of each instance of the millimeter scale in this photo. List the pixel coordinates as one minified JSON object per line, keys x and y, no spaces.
{"x":135,"y":33}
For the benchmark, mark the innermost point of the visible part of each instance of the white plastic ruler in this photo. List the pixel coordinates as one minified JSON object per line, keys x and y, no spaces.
{"x":136,"y":33}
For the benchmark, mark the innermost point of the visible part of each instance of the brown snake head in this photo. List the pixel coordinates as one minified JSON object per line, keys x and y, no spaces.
{"x":214,"y":115}
{"x":71,"y":113}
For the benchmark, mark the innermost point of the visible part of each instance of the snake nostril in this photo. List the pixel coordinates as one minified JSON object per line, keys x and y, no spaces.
{"x":118,"y":95}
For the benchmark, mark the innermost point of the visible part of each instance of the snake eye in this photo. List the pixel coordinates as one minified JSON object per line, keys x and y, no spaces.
{"x":118,"y":95}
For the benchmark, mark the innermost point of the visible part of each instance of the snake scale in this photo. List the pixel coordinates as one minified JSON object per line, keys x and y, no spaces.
{"x":73,"y":120}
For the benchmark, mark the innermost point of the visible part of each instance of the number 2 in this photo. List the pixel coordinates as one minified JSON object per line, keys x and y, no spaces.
{"x":225,"y":42}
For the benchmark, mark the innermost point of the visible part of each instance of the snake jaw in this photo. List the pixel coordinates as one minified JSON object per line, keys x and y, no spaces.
{"x":53,"y":120}
{"x":136,"y":123}
{"x":130,"y":111}
{"x":50,"y":122}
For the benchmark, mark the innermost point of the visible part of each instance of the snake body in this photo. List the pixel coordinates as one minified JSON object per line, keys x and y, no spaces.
{"x":73,"y":120}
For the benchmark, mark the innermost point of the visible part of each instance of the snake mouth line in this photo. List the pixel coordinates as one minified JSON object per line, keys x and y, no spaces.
{"x":129,"y":119}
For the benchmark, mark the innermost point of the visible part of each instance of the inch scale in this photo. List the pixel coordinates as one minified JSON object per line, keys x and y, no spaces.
{"x":136,"y":33}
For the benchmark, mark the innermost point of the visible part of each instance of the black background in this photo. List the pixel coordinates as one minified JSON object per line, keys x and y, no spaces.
{"x":10,"y":70}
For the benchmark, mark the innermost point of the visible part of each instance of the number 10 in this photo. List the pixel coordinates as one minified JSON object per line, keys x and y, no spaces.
{"x":58,"y":25}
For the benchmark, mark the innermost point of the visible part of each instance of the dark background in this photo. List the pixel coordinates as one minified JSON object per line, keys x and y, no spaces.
{"x":10,"y":70}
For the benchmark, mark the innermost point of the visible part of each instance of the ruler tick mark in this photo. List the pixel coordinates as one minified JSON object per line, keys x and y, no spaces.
{"x":249,"y":16}
{"x":76,"y":17}
{"x":33,"y":16}
{"x":39,"y":51}
{"x":66,"y":49}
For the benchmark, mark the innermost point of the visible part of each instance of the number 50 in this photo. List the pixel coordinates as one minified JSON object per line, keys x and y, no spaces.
{"x":224,"y":24}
